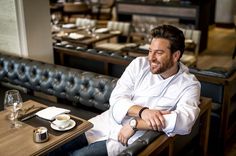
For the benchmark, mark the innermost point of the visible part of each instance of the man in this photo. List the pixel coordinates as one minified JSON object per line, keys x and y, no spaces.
{"x":154,"y":93}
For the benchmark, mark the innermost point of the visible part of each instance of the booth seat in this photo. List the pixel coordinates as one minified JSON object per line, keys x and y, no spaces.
{"x":219,"y":84}
{"x":85,"y":93}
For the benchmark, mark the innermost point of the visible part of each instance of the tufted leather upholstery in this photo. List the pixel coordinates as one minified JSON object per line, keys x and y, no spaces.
{"x":81,"y":87}
{"x":109,"y":53}
{"x":86,"y":88}
{"x":140,"y":144}
{"x":100,"y":61}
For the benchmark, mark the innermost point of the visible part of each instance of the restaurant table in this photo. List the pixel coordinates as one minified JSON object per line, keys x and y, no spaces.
{"x":19,"y":141}
{"x":88,"y":40}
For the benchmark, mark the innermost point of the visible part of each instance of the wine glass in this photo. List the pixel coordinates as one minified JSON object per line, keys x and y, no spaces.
{"x":13,"y":103}
{"x":89,"y":28}
{"x":55,"y":17}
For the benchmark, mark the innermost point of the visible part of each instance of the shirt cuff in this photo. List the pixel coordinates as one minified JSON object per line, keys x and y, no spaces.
{"x":170,"y":121}
{"x":114,"y":132}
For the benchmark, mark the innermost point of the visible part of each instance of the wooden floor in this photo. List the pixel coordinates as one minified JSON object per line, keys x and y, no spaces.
{"x":221,"y":44}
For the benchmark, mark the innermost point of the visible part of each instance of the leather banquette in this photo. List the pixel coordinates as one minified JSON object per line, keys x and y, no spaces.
{"x":85,"y":93}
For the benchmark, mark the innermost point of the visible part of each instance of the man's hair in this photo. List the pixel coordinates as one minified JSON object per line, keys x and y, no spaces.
{"x":171,"y":33}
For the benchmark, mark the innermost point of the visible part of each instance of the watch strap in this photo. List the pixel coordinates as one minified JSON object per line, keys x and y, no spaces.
{"x":141,"y":111}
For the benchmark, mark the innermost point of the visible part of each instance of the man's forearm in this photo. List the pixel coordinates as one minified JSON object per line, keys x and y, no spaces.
{"x":142,"y":125}
{"x":134,"y":111}
{"x":150,"y":118}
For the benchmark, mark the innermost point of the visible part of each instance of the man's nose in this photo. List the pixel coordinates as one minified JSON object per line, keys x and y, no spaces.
{"x":151,"y":56}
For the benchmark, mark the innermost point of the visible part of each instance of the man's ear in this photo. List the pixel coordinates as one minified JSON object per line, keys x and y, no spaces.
{"x":176,"y":55}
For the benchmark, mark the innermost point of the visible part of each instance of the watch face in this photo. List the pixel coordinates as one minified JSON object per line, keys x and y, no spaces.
{"x":133,"y":123}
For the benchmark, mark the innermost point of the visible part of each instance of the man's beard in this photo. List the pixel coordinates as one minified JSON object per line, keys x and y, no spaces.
{"x":164,"y":66}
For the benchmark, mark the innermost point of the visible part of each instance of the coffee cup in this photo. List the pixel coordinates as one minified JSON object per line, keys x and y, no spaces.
{"x":62,"y":120}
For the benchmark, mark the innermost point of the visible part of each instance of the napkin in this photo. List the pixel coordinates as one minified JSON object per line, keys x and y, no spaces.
{"x":101,"y":30}
{"x":50,"y":113}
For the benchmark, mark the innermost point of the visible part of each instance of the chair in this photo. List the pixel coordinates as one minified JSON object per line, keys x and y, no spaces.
{"x":192,"y":42}
{"x":79,"y":8}
{"x":124,"y":28}
{"x":84,"y":22}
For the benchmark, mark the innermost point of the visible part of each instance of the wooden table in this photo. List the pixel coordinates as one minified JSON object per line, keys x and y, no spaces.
{"x":89,"y":40}
{"x":20,"y":141}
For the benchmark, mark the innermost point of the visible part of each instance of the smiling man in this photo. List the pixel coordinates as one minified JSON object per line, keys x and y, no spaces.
{"x":156,"y":93}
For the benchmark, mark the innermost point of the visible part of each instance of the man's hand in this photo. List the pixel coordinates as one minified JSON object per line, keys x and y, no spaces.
{"x":154,"y":118}
{"x":125,"y":133}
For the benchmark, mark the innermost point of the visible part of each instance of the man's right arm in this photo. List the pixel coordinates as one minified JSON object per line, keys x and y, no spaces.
{"x":148,"y":118}
{"x":120,"y":100}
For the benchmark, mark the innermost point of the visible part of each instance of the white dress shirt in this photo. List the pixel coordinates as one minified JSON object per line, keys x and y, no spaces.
{"x":179,"y":93}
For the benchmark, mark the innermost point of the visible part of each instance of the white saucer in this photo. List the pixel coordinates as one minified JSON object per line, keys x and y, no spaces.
{"x":71,"y":125}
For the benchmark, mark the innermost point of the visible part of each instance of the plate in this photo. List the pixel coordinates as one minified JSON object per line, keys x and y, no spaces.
{"x":102,"y":30}
{"x":69,"y":26}
{"x":71,"y":125}
{"x":75,"y":36}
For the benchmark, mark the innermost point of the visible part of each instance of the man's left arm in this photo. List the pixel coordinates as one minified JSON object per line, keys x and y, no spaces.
{"x":181,"y":120}
{"x":178,"y":121}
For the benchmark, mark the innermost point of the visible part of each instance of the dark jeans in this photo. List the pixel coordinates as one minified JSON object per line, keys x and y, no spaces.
{"x":80,"y":147}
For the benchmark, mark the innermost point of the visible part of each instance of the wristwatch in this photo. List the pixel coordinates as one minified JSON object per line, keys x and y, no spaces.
{"x":133,"y":124}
